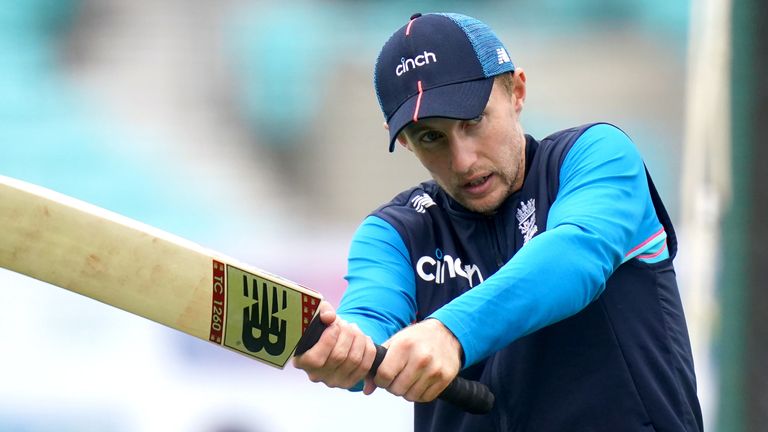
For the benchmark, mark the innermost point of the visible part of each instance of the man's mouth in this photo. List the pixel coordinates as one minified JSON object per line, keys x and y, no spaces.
{"x":478,"y":181}
{"x":477,"y":186}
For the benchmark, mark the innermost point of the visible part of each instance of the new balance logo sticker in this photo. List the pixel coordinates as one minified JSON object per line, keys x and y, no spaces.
{"x":422,"y":202}
{"x":502,"y":55}
{"x":526,"y":219}
{"x":259,"y":316}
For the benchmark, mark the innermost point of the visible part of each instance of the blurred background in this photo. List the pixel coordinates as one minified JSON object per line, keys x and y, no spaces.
{"x":251,"y":127}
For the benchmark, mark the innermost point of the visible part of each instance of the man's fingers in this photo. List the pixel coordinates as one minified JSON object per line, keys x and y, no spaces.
{"x":390,"y":368}
{"x":369,"y":386}
{"x":317,"y":356}
{"x":343,"y":354}
{"x":341,"y":350}
{"x":359,"y":359}
{"x":418,"y":382}
{"x":341,"y":358}
{"x":427,"y":387}
{"x":327,"y":313}
{"x":409,"y":379}
{"x":421,"y":361}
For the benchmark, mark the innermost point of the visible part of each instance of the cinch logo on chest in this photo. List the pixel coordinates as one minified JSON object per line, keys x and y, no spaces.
{"x":437,"y":268}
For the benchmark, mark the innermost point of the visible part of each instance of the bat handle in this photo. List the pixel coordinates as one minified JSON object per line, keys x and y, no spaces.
{"x":473,"y":397}
{"x":311,"y":335}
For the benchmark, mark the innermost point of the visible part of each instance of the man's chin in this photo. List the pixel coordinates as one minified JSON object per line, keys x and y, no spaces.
{"x":483,"y":206}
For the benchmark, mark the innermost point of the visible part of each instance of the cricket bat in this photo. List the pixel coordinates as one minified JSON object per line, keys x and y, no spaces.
{"x":140,"y":269}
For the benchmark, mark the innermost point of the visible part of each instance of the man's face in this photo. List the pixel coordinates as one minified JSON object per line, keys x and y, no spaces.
{"x":478,"y":162}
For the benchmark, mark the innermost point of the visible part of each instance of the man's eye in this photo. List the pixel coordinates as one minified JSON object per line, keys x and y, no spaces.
{"x":430,"y":137}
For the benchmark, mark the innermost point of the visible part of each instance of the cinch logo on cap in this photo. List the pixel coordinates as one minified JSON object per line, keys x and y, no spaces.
{"x":420,"y":60}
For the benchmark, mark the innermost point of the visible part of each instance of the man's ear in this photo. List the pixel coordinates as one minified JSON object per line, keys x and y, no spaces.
{"x":519,"y":89}
{"x":403,"y":141}
{"x":400,"y":138}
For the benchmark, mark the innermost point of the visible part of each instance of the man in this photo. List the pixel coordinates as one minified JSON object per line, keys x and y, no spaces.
{"x":540,"y":268}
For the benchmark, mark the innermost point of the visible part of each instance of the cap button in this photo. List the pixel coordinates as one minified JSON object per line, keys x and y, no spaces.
{"x":416,"y":15}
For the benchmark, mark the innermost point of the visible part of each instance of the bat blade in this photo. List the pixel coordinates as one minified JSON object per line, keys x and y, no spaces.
{"x":148,"y":272}
{"x":167,"y":279}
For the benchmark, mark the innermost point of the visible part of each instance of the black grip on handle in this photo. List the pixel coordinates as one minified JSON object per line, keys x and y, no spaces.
{"x":472,"y":396}
{"x":310,"y":336}
{"x":380,"y":353}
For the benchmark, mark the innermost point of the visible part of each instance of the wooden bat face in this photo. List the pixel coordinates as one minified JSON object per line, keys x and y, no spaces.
{"x":151,"y":273}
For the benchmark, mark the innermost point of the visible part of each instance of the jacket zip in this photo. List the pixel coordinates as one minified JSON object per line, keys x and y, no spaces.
{"x":493,"y":224}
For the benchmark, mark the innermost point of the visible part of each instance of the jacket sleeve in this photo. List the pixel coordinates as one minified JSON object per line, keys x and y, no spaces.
{"x":601,"y":202}
{"x":380,"y":297}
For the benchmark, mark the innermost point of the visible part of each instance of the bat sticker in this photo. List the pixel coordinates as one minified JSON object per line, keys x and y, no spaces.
{"x":218,"y":302}
{"x":264,"y":319}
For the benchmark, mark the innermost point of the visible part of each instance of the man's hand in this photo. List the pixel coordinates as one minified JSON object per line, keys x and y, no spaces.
{"x":342,"y":356}
{"x":421,"y":361}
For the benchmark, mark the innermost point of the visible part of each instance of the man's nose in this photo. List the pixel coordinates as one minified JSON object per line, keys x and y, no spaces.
{"x":463,"y":153}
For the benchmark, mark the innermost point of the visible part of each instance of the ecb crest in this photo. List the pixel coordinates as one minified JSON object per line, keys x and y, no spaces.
{"x":526,"y":220}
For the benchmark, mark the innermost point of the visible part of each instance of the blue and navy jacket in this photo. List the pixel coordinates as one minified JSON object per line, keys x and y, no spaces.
{"x":565,"y":300}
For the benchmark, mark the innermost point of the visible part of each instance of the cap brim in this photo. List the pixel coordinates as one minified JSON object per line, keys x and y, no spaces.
{"x":461,"y":101}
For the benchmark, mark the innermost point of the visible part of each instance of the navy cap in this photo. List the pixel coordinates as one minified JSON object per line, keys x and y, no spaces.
{"x":437,"y":65}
